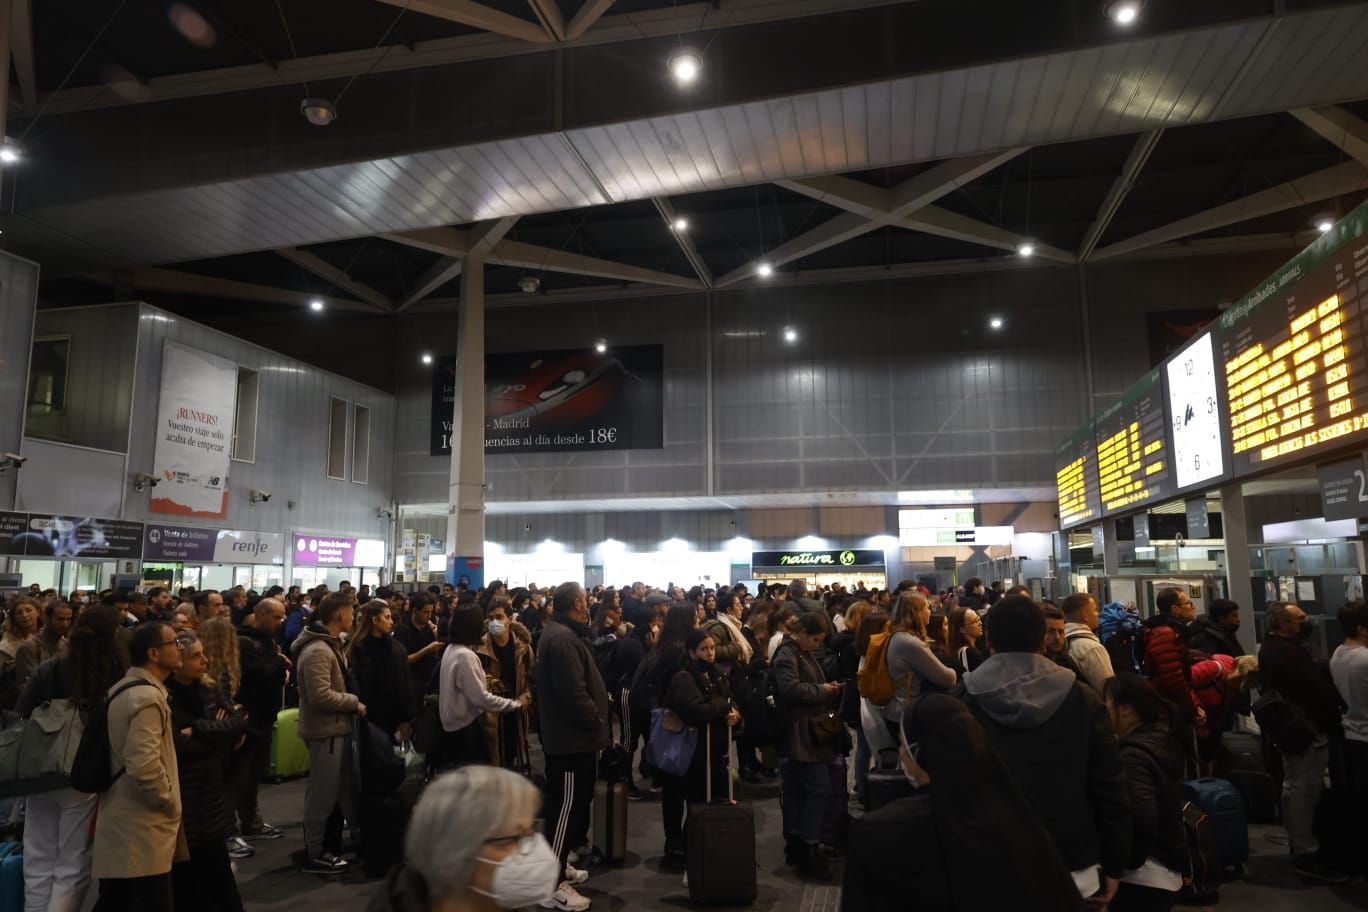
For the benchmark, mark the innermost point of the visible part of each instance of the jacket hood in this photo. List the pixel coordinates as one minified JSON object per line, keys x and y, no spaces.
{"x":1019,"y":689}
{"x":1074,"y":629}
{"x":1164,"y":620}
{"x":315,"y":631}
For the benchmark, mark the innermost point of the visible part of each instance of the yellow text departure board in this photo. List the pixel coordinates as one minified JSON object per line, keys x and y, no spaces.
{"x":1132,"y":449}
{"x":1076,"y":479}
{"x":1296,"y":380}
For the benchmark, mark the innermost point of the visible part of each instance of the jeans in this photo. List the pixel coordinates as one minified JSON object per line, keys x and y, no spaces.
{"x":57,"y":850}
{"x":803,"y":794}
{"x":1303,"y":783}
{"x":569,"y":794}
{"x":863,"y":757}
{"x":330,"y":783}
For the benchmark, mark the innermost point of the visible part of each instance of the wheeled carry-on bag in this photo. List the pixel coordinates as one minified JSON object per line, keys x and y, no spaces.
{"x":1224,"y":806}
{"x":289,"y":755}
{"x":720,"y":847}
{"x":610,"y":821}
{"x":886,"y":783}
{"x":1203,"y":880}
{"x":1241,"y":762}
{"x":12,"y":876}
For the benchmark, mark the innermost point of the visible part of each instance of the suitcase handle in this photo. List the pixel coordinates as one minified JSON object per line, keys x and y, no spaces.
{"x":707,"y":767}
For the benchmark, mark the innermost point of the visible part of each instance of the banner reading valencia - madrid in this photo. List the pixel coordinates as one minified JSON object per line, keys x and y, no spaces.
{"x":194,"y":433}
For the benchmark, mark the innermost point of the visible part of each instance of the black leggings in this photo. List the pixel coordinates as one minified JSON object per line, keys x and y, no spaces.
{"x":205,"y":882}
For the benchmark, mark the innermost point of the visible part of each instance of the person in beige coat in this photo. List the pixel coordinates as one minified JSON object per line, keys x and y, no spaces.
{"x":138,"y":831}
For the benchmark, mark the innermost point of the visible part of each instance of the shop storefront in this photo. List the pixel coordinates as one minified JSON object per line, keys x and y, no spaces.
{"x":544,"y":569}
{"x":206,"y":558}
{"x":710,"y":569}
{"x":330,"y":559}
{"x":69,"y":552}
{"x":853,"y":568}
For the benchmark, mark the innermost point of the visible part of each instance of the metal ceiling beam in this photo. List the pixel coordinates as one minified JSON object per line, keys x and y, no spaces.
{"x":1347,"y":177}
{"x":21,"y":47}
{"x":588,"y":14}
{"x":1340,"y":127}
{"x":479,"y":241}
{"x":686,"y":244}
{"x":456,"y":242}
{"x":944,"y":223}
{"x":468,"y":12}
{"x":151,"y":278}
{"x":666,"y":22}
{"x":1120,"y":188}
{"x":1222,"y":246}
{"x":549,"y":14}
{"x":441,"y":272}
{"x":323,"y":269}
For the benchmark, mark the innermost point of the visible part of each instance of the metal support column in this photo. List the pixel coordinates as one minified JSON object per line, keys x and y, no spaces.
{"x":1239,"y":587}
{"x":465,"y":493}
{"x":1111,"y":557}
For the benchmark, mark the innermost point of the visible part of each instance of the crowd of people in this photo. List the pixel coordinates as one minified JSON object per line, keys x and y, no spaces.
{"x":1057,"y":734}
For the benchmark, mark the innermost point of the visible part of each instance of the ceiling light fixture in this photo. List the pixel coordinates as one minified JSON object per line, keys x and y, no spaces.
{"x":685,"y":64}
{"x":995,"y":323}
{"x":790,"y":334}
{"x":427,"y":358}
{"x":530,"y":284}
{"x":318,"y":111}
{"x":764,"y":270}
{"x":11,"y":151}
{"x":1324,"y":224}
{"x":1124,"y":12}
{"x":681,"y":224}
{"x":316,"y":305}
{"x":1026,"y":248}
{"x":601,"y":346}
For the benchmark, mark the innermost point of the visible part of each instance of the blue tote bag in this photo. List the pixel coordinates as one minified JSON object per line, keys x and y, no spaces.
{"x":672,"y":744}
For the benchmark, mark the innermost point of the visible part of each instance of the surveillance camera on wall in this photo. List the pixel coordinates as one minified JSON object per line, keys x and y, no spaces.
{"x":255,"y":496}
{"x":527,"y":527}
{"x":12,"y":461}
{"x":141,"y":481}
{"x":382,"y":513}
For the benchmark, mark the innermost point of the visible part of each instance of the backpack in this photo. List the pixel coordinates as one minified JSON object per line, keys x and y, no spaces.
{"x":382,"y":770}
{"x":874,"y":681}
{"x":90,"y":770}
{"x":605,"y":657}
{"x":1118,"y":628}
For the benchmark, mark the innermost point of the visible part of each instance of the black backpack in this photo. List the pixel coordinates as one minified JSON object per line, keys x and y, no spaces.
{"x":90,"y":768}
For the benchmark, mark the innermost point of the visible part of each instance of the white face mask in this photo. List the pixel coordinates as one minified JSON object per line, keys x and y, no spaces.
{"x":524,"y":878}
{"x":497,"y":628}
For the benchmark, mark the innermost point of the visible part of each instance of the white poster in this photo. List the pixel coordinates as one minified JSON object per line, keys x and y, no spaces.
{"x":194,"y":433}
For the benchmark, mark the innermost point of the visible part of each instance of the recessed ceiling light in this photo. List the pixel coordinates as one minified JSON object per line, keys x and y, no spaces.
{"x":427,"y":358}
{"x":1324,"y":225}
{"x":790,"y":334}
{"x":995,"y":323}
{"x":601,"y":346}
{"x":681,"y":224}
{"x":11,"y":151}
{"x":764,"y":270}
{"x":316,"y":305}
{"x":1026,"y":248}
{"x":1124,"y":12}
{"x":685,"y":65}
{"x":318,"y":111}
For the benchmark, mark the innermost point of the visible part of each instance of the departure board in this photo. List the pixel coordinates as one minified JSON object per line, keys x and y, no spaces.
{"x":1132,"y":450}
{"x":1294,"y":361}
{"x":1076,"y":478}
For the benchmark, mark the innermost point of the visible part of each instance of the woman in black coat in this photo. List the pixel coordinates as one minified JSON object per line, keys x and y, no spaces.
{"x":701,"y":696}
{"x":207,"y":729}
{"x":1153,"y":759}
{"x":380,"y":664}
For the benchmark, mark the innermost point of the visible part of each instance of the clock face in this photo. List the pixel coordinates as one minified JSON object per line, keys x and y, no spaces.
{"x":1194,"y":414}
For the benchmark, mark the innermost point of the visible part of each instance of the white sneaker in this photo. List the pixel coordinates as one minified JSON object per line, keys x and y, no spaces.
{"x":686,"y":880}
{"x":566,"y":899}
{"x":575,"y":875}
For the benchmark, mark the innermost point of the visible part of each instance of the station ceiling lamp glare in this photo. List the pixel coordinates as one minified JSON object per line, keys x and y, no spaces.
{"x":1124,"y":12}
{"x":790,"y":334}
{"x":316,"y":305}
{"x":427,"y":357}
{"x":681,"y":224}
{"x":995,"y":323}
{"x":1324,"y":224}
{"x":318,"y":111}
{"x":11,"y":151}
{"x":764,"y":270}
{"x":601,"y":346}
{"x":1026,"y":248}
{"x":685,"y":64}
{"x":530,"y":284}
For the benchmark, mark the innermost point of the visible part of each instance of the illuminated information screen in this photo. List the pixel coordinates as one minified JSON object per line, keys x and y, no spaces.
{"x":1132,"y":450}
{"x":1076,"y":478}
{"x":1294,"y":363}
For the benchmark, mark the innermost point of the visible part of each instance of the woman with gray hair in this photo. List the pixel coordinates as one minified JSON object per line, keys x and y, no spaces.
{"x":473,"y":846}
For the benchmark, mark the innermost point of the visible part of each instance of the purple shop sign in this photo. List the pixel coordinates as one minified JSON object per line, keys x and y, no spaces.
{"x":179,"y":543}
{"x":324,"y":551}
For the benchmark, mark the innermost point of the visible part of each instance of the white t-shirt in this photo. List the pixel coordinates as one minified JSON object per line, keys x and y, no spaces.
{"x":1154,"y":875}
{"x":1087,"y":880}
{"x":1349,"y":668}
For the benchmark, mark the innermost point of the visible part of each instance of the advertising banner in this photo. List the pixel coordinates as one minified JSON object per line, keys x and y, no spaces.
{"x":38,"y":535}
{"x":859,"y":557}
{"x":213,"y":546}
{"x":335,"y":551}
{"x":568,"y":401}
{"x":194,"y":433}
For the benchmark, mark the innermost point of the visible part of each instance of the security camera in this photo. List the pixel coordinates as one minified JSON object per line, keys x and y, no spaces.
{"x":382,"y":513}
{"x":141,"y":481}
{"x":12,"y":461}
{"x":255,"y":496}
{"x":527,"y":527}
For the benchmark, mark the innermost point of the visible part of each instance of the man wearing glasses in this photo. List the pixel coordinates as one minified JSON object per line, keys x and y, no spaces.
{"x":138,"y":830}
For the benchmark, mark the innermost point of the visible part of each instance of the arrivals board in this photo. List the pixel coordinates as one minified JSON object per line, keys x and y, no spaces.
{"x":1076,"y":479}
{"x":1292,"y":357}
{"x":1132,"y":451}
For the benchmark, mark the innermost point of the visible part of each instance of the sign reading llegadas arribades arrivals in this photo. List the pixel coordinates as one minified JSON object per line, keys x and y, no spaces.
{"x":567,"y":401}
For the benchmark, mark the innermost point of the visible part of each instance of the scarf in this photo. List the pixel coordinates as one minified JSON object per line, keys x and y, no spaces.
{"x":737,"y":635}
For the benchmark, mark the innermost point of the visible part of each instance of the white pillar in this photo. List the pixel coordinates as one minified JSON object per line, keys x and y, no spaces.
{"x":1239,"y":586}
{"x":1111,"y":555}
{"x":465,"y":493}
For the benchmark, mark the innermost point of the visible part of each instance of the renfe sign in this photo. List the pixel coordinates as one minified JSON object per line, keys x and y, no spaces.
{"x":218,"y":546}
{"x":818,"y":559}
{"x":334,"y":551}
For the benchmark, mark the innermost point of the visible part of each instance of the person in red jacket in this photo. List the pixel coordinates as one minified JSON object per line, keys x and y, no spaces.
{"x":1168,"y":663}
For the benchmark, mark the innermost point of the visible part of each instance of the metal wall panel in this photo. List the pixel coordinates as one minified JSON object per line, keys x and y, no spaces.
{"x":18,"y":298}
{"x":99,"y":376}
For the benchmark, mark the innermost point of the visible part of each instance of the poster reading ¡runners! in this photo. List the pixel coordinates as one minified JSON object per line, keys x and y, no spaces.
{"x":568,"y":401}
{"x":194,"y":433}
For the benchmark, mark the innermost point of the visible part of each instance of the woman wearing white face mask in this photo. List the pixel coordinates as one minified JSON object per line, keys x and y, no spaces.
{"x":507,"y":646}
{"x":472,"y":846}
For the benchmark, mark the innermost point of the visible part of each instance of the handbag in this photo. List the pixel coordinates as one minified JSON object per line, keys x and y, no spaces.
{"x":672,"y":743}
{"x":1285,"y":723}
{"x":415,"y":772}
{"x":826,"y":727}
{"x":36,"y":753}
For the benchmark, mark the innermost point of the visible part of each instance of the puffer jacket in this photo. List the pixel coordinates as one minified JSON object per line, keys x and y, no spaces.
{"x":1168,"y":663}
{"x":200,"y":756}
{"x":1153,"y":760}
{"x":326,"y":707}
{"x":799,"y":697}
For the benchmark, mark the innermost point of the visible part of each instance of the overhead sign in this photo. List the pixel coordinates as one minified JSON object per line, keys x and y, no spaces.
{"x":955,"y":518}
{"x":194,"y":433}
{"x":975,"y":535}
{"x":218,"y":546}
{"x":43,"y":535}
{"x":1344,"y":489}
{"x":1198,"y":518}
{"x":809,"y":560}
{"x":1132,"y":456}
{"x":1076,"y":480}
{"x":566,"y":401}
{"x":335,"y":551}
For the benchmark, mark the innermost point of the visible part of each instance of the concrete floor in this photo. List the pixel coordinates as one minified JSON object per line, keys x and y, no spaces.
{"x":270,"y":881}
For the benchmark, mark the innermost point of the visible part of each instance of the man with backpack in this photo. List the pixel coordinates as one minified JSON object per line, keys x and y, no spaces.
{"x":138,"y":832}
{"x":1081,"y":617}
{"x":1167,"y":662}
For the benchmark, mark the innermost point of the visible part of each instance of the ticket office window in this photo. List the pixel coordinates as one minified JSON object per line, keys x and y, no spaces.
{"x":64,"y":576}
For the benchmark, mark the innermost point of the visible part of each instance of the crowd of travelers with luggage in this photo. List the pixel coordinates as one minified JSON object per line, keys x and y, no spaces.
{"x":1098,"y":758}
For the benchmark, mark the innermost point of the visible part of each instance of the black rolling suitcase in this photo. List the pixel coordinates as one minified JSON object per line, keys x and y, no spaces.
{"x":886,"y":782}
{"x":1241,"y":761}
{"x":720,"y":847}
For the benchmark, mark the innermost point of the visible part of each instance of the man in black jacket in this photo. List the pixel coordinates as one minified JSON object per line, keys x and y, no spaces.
{"x":572,"y":707}
{"x":1214,"y":632}
{"x":1287,"y":667}
{"x":264,"y":670}
{"x":1054,"y":734}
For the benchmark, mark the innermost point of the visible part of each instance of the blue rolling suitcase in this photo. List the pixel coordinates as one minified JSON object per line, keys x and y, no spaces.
{"x":12,"y":877}
{"x":1225,"y":808}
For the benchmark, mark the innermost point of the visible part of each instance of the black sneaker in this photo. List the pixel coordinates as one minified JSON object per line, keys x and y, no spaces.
{"x":1312,"y":867}
{"x":674,"y":847}
{"x":325,"y":864}
{"x":263,"y":831}
{"x":636,"y":794}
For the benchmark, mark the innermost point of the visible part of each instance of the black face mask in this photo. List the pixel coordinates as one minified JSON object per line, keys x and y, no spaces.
{"x":1305,"y":632}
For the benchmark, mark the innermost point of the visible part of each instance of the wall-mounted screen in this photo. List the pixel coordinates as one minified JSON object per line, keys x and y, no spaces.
{"x":1076,"y":479}
{"x":1195,"y":414}
{"x":1132,"y":448}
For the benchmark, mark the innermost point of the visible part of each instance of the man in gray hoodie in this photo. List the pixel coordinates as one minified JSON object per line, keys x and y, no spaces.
{"x":1056,"y":737}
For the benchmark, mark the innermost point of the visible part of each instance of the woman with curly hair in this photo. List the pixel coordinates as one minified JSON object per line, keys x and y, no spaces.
{"x":221,"y":654}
